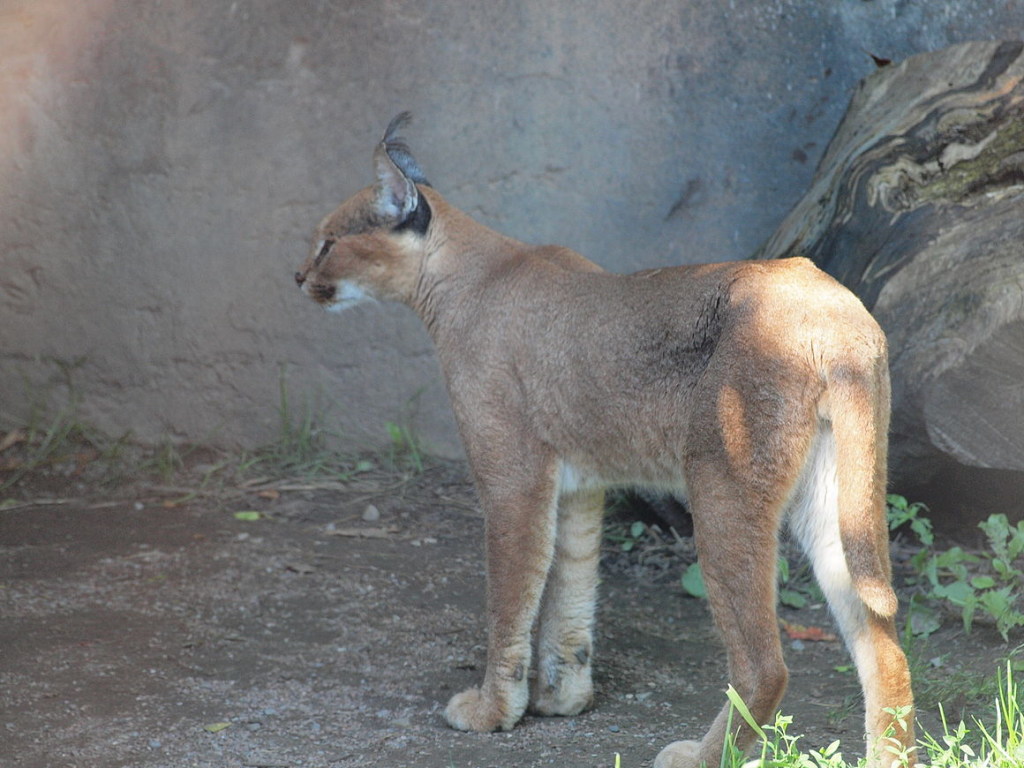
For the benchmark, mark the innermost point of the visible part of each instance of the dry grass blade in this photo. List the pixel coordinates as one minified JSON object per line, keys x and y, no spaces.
{"x":364,"y":533}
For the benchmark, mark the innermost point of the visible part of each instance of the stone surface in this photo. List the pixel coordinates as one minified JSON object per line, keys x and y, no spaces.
{"x":162,"y":166}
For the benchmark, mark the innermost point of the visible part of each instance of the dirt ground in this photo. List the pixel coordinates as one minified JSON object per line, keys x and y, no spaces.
{"x":157,"y":628}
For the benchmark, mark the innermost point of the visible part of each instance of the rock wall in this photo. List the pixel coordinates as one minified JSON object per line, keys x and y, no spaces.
{"x":163,"y":165}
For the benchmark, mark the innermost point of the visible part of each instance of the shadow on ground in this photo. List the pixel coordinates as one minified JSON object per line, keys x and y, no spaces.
{"x":148,"y":630}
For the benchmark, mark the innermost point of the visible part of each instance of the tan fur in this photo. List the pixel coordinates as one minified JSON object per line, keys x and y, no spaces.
{"x":757,"y":390}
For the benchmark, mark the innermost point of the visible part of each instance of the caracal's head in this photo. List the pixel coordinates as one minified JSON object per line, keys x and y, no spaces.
{"x":372,"y":246}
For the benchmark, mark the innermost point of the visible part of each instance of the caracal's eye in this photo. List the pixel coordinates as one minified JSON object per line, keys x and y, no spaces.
{"x":325,"y":246}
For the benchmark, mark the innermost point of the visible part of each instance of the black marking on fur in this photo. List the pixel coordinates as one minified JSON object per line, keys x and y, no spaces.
{"x":323,"y":292}
{"x":709,"y":328}
{"x":324,"y":250}
{"x":418,"y":221}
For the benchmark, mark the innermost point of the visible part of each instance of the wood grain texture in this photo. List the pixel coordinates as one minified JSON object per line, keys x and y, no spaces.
{"x":918,"y":207}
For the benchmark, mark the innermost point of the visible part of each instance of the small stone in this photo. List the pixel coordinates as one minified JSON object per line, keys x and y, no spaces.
{"x":155,"y":744}
{"x":371,"y":514}
{"x":613,"y":728}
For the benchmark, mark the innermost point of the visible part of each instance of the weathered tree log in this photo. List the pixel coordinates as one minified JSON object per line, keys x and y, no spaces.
{"x":918,"y":207}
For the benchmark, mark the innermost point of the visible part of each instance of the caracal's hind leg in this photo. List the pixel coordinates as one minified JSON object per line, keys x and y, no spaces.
{"x":884,"y":678}
{"x":518,"y":499}
{"x":736,"y":537}
{"x":563,"y":684}
{"x":871,"y":638}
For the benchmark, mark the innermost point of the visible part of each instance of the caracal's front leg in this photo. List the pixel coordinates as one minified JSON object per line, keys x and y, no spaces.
{"x":519,"y":506}
{"x":565,"y":637}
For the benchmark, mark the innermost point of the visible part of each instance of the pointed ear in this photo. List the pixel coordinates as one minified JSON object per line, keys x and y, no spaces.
{"x":396,"y":195}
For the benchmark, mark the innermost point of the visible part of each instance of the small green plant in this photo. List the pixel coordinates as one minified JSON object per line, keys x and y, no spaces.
{"x":627,"y":537}
{"x":796,"y":589}
{"x":302,"y":446}
{"x":996,"y":745}
{"x":405,"y":447}
{"x":995,"y":741}
{"x":998,"y":593}
{"x":300,"y":441}
{"x":987,"y":583}
{"x":904,"y":513}
{"x":693,"y":582}
{"x":778,"y":748}
{"x":165,"y":461}
{"x":55,"y":432}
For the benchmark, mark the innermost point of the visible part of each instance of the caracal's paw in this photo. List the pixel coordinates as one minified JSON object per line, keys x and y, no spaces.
{"x":573,"y":694}
{"x":679,"y":754}
{"x":471,"y":710}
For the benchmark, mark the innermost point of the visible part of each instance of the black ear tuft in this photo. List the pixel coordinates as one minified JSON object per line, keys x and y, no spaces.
{"x":399,"y":151}
{"x":398,"y":122}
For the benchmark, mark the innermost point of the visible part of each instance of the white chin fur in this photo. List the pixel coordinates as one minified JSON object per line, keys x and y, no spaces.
{"x":348,"y":295}
{"x":340,"y":306}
